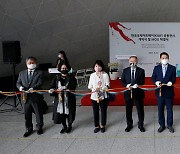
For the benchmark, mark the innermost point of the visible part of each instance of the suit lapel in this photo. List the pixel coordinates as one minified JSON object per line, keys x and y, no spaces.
{"x":129,"y":75}
{"x":136,"y":73}
{"x":26,"y":76}
{"x":166,"y":71}
{"x":160,"y":71}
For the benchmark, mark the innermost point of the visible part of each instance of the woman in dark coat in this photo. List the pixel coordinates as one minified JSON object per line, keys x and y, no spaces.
{"x":65,"y":102}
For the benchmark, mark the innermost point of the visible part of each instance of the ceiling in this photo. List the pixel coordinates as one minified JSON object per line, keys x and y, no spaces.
{"x":79,"y":27}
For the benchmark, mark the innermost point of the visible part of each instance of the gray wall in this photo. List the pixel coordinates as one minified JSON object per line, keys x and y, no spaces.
{"x":79,"y":27}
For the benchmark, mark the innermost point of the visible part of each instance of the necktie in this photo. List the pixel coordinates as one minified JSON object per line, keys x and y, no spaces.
{"x":30,"y":76}
{"x":132,"y":78}
{"x":164,"y":71}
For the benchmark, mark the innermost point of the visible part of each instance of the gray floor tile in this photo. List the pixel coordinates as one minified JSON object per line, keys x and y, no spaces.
{"x":82,"y":139}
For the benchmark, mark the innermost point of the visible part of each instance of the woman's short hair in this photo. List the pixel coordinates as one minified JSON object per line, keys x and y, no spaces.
{"x":100,"y":63}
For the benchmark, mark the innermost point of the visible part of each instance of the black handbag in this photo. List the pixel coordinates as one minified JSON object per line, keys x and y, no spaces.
{"x":111,"y":97}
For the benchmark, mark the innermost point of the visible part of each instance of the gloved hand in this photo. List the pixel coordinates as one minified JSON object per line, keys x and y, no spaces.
{"x":135,"y":86}
{"x":30,"y":90}
{"x":169,"y":83}
{"x":50,"y":91}
{"x":62,"y":88}
{"x":104,"y":88}
{"x":158,"y":83}
{"x":93,"y":90}
{"x":128,"y":85}
{"x":21,"y":88}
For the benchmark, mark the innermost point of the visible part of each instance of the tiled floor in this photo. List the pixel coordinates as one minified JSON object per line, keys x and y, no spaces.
{"x":82,"y":140}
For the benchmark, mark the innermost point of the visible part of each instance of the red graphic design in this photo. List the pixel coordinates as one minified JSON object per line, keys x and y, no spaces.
{"x":114,"y":25}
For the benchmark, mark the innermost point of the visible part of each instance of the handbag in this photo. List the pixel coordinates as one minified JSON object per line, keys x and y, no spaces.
{"x":111,"y":97}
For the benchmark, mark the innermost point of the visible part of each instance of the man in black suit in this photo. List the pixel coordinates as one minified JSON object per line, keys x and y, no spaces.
{"x":29,"y":80}
{"x":132,"y":77}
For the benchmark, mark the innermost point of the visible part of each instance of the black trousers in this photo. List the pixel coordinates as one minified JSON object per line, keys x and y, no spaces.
{"x":102,"y":105}
{"x":30,"y":107}
{"x":63,"y":120}
{"x":140,"y":110}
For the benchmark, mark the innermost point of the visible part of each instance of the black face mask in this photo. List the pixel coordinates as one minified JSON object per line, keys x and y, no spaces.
{"x":64,"y":71}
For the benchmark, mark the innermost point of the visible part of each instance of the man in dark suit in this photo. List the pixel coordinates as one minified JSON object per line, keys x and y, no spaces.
{"x":29,"y":80}
{"x":164,"y":76}
{"x":132,"y":77}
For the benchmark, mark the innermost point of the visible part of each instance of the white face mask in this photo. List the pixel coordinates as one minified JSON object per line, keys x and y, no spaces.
{"x":31,"y":66}
{"x":59,"y":56}
{"x":164,"y":61}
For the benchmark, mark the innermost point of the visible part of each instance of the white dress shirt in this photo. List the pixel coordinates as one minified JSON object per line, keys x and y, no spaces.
{"x":93,"y":84}
{"x":32,"y":71}
{"x":134,"y":72}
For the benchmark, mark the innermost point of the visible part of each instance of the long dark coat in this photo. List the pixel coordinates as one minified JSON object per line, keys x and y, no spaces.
{"x":70,"y":82}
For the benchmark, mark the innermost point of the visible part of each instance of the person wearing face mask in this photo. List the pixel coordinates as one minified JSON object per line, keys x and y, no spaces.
{"x":98,"y":84}
{"x":164,"y":76}
{"x":65,"y":102}
{"x":29,"y":80}
{"x":62,"y":58}
{"x":132,"y":77}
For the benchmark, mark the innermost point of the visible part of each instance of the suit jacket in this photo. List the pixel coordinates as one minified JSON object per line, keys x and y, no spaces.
{"x":139,"y":80}
{"x":35,"y":83}
{"x":166,"y":92}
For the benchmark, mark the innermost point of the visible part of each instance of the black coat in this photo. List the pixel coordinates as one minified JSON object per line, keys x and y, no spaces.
{"x":139,"y":80}
{"x":71,"y":83}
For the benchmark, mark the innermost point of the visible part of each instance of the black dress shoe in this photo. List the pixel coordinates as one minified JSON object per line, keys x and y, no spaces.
{"x":103,"y":129}
{"x":28,"y":133}
{"x":96,"y":130}
{"x":40,"y":131}
{"x":171,"y":129}
{"x":128,"y":128}
{"x":68,"y":130}
{"x":141,"y":128}
{"x":63,"y":130}
{"x":161,"y":129}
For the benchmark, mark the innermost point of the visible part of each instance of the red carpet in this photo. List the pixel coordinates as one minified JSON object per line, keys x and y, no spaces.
{"x":150,"y":98}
